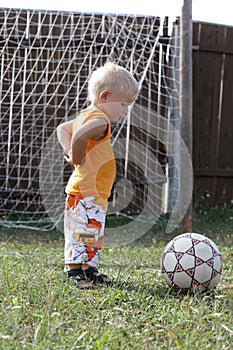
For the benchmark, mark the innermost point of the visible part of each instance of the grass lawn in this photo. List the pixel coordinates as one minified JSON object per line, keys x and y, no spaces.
{"x":139,"y":311}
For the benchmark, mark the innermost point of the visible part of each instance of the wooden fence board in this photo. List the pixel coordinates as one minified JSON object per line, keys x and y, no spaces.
{"x":225,"y":146}
{"x":206,"y":93}
{"x":213,"y":112}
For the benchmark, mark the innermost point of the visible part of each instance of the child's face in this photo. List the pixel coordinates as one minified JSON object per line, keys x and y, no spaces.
{"x":116,"y":106}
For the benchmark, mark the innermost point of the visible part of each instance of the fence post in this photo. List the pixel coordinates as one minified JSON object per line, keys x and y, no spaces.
{"x":186,"y":92}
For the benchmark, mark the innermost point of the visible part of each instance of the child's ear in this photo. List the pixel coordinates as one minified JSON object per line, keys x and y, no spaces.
{"x":104,"y":94}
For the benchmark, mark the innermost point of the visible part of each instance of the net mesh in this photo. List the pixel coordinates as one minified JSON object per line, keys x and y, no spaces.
{"x":46,"y":60}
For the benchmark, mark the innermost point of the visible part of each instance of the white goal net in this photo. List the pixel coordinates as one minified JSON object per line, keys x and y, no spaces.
{"x":46,"y":59}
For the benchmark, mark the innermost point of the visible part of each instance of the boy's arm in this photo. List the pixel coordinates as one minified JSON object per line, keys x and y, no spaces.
{"x":64,"y":135}
{"x":94,"y":129}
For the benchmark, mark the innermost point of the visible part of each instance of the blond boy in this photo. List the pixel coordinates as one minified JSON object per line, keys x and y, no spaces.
{"x":86,"y":143}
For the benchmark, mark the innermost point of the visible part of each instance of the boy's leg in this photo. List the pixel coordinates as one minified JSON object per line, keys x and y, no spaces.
{"x":84,"y":233}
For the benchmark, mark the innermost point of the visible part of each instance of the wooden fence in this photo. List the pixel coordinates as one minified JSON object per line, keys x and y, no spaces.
{"x":213,"y":112}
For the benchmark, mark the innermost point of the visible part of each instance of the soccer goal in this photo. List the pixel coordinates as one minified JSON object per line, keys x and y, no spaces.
{"x":46,"y":59}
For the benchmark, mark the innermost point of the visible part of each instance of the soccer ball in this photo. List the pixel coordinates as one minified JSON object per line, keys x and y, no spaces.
{"x":191,"y":262}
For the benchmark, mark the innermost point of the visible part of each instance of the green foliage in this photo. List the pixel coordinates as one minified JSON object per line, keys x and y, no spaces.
{"x":139,"y":311}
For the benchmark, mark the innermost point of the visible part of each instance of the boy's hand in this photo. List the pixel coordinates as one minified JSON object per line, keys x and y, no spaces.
{"x":68,"y":157}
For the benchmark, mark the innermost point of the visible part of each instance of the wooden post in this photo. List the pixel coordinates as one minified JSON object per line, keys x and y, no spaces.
{"x":186,"y":91}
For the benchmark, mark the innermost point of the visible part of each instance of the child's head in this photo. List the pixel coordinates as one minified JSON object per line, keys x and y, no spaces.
{"x":114,"y":78}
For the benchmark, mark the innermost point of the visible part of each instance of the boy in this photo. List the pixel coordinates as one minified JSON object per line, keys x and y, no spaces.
{"x":86,"y":142}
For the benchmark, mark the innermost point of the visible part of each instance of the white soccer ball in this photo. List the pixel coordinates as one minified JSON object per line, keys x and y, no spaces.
{"x":191,"y":262}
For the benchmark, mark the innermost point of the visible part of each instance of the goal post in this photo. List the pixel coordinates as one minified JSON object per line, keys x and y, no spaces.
{"x":46,"y":60}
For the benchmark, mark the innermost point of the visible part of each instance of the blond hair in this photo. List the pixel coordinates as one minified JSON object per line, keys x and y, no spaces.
{"x":114,"y":78}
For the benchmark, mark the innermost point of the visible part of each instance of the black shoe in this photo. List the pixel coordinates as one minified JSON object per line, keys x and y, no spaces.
{"x":78,"y":279}
{"x":92,"y":275}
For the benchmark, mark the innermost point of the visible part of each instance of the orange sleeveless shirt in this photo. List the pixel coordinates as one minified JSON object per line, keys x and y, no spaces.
{"x":95,"y":176}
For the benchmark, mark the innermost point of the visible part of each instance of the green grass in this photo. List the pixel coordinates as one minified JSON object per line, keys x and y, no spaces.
{"x":139,"y":311}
